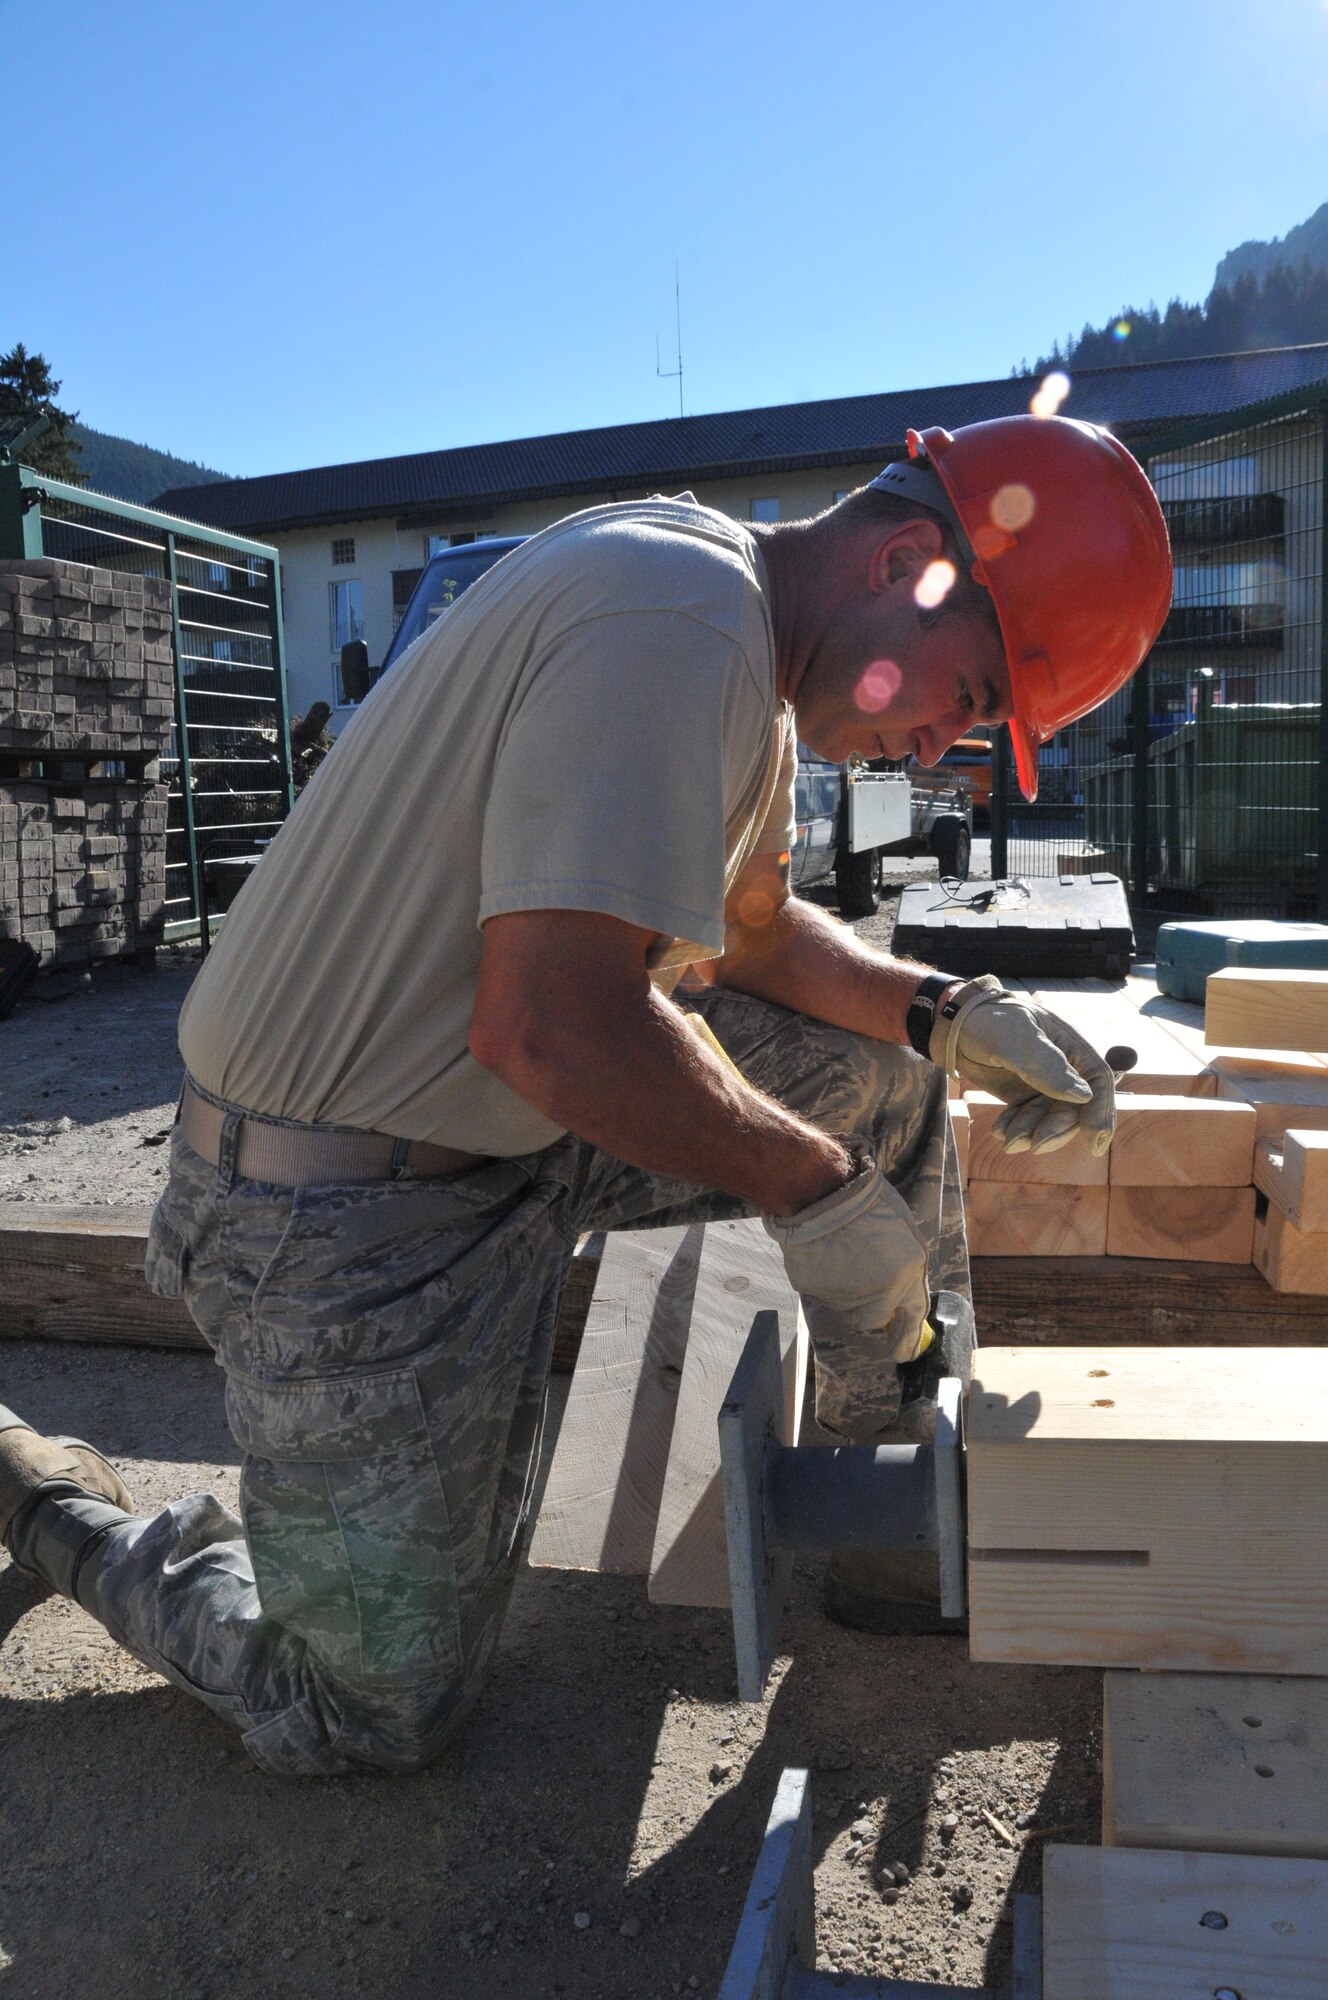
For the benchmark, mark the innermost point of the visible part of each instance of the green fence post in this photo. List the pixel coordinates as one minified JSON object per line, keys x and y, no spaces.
{"x":20,"y":516}
{"x":182,"y":741}
{"x":1000,"y":804}
{"x":1140,"y":778}
{"x":273,"y":594}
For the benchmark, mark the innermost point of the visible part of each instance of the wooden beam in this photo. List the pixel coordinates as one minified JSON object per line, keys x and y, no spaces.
{"x":741,"y":1273}
{"x":1250,"y":1007}
{"x":1106,"y":1016}
{"x":1294,"y":1176}
{"x":607,"y":1475}
{"x":1291,"y":1259}
{"x":1211,"y":1224}
{"x":1018,"y":1219}
{"x":1149,"y":1507}
{"x":1181,"y":1142}
{"x":961,"y":1124}
{"x":1124,"y":1923}
{"x":1223,"y":1763}
{"x":1068,"y":1166}
{"x":1280,"y":1102}
{"x":1091,"y":1301}
{"x":76,"y":1273}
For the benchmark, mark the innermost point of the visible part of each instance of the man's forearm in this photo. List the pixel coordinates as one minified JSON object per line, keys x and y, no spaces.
{"x":805,"y":960}
{"x":618,"y":1064}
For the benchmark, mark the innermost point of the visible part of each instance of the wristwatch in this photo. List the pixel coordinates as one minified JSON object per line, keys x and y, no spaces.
{"x":923,"y":1007}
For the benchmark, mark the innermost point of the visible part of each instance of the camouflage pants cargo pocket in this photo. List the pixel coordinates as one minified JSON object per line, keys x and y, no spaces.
{"x":347,"y":1524}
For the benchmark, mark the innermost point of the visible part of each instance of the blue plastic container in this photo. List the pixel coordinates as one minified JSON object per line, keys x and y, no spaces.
{"x":1187,"y":953}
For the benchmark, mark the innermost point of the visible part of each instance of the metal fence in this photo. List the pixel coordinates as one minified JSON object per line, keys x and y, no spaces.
{"x":1201,"y":784}
{"x":229,"y":761}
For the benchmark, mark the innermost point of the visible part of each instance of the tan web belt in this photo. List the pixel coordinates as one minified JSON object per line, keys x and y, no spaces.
{"x":290,"y":1155}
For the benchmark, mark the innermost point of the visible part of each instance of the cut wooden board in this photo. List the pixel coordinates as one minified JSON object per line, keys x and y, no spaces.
{"x":1024,"y":1219}
{"x":1256,"y":1008}
{"x":741,"y":1273}
{"x":1181,"y":1142}
{"x":1211,"y":1224}
{"x":76,"y":1273}
{"x":1068,"y":1166}
{"x":1131,"y":1300}
{"x":1294,"y":1177}
{"x":961,"y":1124}
{"x":1150,"y":1507}
{"x":1280,"y":1102}
{"x":1128,"y":1923}
{"x":604,"y":1486}
{"x":1291,"y":1259}
{"x":1225,"y":1763}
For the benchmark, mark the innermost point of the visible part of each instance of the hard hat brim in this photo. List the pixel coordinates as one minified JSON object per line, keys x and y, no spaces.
{"x":1025,"y":756}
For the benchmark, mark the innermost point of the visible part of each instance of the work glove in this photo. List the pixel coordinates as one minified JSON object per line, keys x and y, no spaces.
{"x":857,"y":1261}
{"x":1054,"y":1082}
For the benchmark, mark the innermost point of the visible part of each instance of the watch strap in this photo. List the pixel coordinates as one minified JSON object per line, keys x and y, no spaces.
{"x":922,"y":1009}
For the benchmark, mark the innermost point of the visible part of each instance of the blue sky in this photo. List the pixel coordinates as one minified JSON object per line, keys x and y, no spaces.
{"x":287,"y":234}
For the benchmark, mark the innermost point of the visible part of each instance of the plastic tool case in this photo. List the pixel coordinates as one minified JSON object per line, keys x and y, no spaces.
{"x":1069,"y":927}
{"x":1187,"y":953}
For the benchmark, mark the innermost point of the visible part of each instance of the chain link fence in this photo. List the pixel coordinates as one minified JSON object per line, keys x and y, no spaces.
{"x":1201,"y":783}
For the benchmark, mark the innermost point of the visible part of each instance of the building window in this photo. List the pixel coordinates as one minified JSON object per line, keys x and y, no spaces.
{"x":435,"y":544}
{"x":1207,"y":478}
{"x":403,"y":589}
{"x":346,"y":609}
{"x":765,"y":510}
{"x":343,"y":551}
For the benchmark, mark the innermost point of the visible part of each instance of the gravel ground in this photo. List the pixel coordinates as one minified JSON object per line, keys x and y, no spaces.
{"x":594,"y":1831}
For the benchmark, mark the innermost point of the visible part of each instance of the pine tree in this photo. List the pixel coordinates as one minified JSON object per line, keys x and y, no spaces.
{"x":26,"y":383}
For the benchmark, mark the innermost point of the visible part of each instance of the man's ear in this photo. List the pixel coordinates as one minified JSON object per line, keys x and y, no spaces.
{"x":905,"y":554}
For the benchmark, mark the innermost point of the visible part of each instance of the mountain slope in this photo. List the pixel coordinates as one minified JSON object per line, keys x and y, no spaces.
{"x":134,"y":471}
{"x":1308,"y":241}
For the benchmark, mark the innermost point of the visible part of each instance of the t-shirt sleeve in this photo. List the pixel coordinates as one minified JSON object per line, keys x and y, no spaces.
{"x":609,"y":788}
{"x":778,"y":831}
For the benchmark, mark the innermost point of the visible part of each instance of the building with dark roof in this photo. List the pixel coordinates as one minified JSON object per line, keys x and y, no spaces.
{"x":353,"y":538}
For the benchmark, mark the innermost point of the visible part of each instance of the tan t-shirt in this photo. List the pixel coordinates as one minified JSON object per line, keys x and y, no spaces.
{"x":593,"y":726}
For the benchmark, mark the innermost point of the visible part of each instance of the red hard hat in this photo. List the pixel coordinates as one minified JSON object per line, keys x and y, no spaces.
{"x":1070,"y":541}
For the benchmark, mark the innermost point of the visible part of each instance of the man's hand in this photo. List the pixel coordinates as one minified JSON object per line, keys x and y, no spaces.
{"x":1055,"y":1083}
{"x":861,"y":1268}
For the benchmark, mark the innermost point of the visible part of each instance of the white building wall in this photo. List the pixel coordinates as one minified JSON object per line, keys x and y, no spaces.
{"x":308,"y":571}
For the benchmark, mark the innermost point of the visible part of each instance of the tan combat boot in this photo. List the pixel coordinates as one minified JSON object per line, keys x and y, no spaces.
{"x":28,"y":1461}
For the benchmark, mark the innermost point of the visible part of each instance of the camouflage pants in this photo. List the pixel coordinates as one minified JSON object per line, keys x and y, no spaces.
{"x":386,"y":1349}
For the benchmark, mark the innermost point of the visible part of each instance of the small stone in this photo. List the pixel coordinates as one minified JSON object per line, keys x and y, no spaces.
{"x":1024,"y":1818}
{"x":901,"y":1871}
{"x":718,"y":1773}
{"x":938,"y":1868}
{"x":942,"y":1794}
{"x":853,"y":1850}
{"x":288,"y":1951}
{"x":949,"y":1827}
{"x":863,"y":1829}
{"x":630,"y":1927}
{"x":890,"y":1894}
{"x":582,"y":1920}
{"x":962,"y":1895}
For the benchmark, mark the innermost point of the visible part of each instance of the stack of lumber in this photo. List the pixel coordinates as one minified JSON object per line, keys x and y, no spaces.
{"x":1291,"y":1235}
{"x":1180,"y":1183}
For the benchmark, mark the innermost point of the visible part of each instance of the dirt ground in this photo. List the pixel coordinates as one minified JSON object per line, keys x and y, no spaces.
{"x":593,"y":1833}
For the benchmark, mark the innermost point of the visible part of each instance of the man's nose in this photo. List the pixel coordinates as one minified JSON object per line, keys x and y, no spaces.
{"x":936,"y":738}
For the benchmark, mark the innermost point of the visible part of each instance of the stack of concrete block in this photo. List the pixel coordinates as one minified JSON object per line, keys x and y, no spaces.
{"x":86,"y":707}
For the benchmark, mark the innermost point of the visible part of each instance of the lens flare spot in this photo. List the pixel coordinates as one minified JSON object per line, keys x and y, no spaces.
{"x":1013,"y":507}
{"x":756,"y":908}
{"x":878,"y":686}
{"x":934,"y":585}
{"x":1121,"y":330}
{"x":1055,"y":388}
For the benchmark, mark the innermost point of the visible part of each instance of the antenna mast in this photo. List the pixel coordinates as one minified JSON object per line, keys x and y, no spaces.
{"x":668,"y":374}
